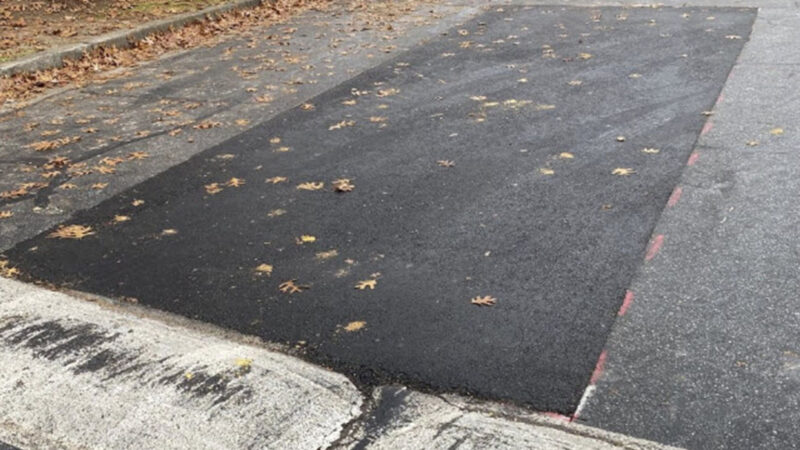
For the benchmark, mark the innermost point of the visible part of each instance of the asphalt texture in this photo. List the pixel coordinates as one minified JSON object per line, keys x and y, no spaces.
{"x":542,"y":114}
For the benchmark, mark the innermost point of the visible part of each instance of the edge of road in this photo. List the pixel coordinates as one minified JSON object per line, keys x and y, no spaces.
{"x":55,"y":57}
{"x":74,"y":371}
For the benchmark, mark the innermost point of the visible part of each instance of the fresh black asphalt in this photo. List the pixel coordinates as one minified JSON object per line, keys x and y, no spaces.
{"x":544,"y":113}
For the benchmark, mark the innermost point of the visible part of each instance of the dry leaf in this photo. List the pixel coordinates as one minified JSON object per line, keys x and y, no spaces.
{"x":651,"y":151}
{"x":99,"y":186}
{"x":776,"y":131}
{"x":138,"y":155}
{"x":169,"y":232}
{"x":137,"y":202}
{"x":276,"y":212}
{"x":206,"y":124}
{"x":546,"y":171}
{"x":235,"y":182}
{"x":342,"y":124}
{"x":343,"y":185}
{"x":362,"y":285}
{"x":276,"y":180}
{"x":265,"y":269}
{"x":119,"y":219}
{"x":484,"y":301}
{"x":71,"y":232}
{"x":620,"y":138}
{"x":307,"y":106}
{"x":566,"y":155}
{"x":305,"y":239}
{"x":311,"y":185}
{"x":290,"y":287}
{"x":321,"y":256}
{"x":622,"y":171}
{"x":445,"y":163}
{"x":6,"y":214}
{"x":355,"y":326}
{"x":387,"y":92}
{"x":213,"y":188}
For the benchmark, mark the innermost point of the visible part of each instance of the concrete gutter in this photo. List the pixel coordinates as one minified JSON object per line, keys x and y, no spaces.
{"x":55,"y":57}
{"x":77,"y":374}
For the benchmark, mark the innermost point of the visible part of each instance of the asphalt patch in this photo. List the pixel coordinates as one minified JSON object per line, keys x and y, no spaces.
{"x":504,"y":159}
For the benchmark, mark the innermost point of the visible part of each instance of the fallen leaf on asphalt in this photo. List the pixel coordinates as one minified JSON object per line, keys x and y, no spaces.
{"x":752,"y":143}
{"x":635,"y":75}
{"x":776,"y":131}
{"x":169,"y":232}
{"x":622,"y":171}
{"x":265,"y":269}
{"x":584,"y":56}
{"x":307,"y":106}
{"x":99,"y":186}
{"x":446,"y":163}
{"x":6,"y":214}
{"x":290,"y":287}
{"x":119,"y":218}
{"x":213,"y":188}
{"x":242,"y":122}
{"x":350,"y":102}
{"x":137,"y":202}
{"x":342,"y":124}
{"x":321,"y":256}
{"x":71,"y":232}
{"x":378,"y":119}
{"x":620,"y":138}
{"x":276,"y":180}
{"x":575,"y":83}
{"x":235,"y":182}
{"x":484,"y":301}
{"x":355,"y":326}
{"x":305,"y":239}
{"x":343,"y":185}
{"x":546,"y":171}
{"x":276,"y":213}
{"x":263,"y":99}
{"x":651,"y":151}
{"x":566,"y":155}
{"x":387,"y":92}
{"x":311,"y":185}
{"x":361,"y":285}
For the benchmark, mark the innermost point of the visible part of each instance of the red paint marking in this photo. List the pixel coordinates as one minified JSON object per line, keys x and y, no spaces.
{"x":655,"y":246}
{"x":556,"y":415}
{"x":675,"y":196}
{"x":692,"y":159}
{"x":707,"y":127}
{"x":598,"y":368}
{"x":625,"y":303}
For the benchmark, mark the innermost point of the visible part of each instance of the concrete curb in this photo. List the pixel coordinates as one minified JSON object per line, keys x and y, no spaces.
{"x":55,"y":57}
{"x":76,"y":373}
